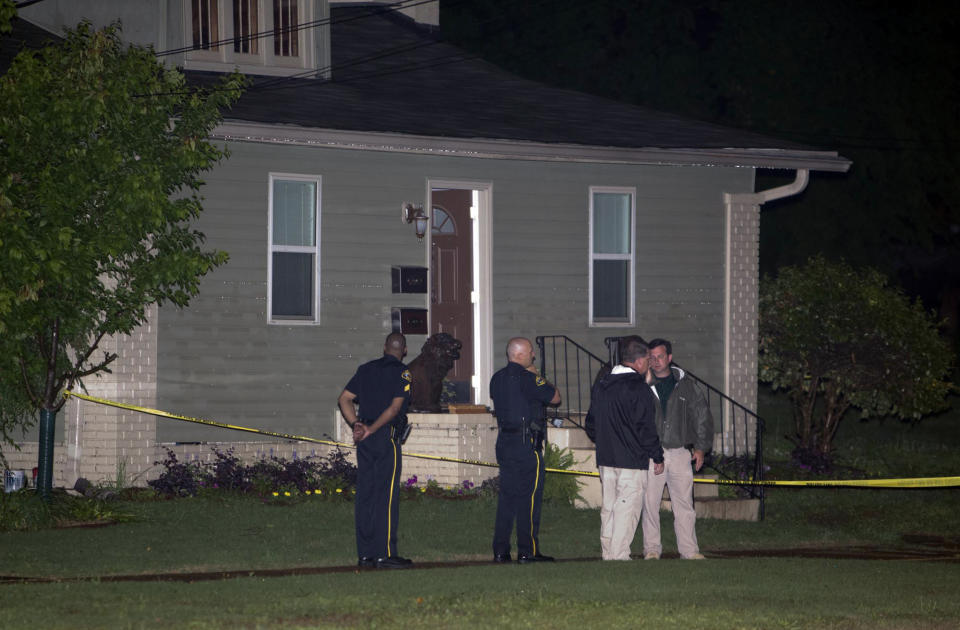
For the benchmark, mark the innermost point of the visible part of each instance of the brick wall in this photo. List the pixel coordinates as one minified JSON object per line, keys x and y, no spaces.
{"x":103,"y":443}
{"x":467,"y":436}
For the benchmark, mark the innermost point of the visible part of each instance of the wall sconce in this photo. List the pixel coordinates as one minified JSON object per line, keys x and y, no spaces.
{"x":415,"y":214}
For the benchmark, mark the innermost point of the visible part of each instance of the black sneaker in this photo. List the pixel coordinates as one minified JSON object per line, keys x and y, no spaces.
{"x":394,"y":562}
{"x":525,"y":559}
{"x":367,"y":563}
{"x":502,"y":557}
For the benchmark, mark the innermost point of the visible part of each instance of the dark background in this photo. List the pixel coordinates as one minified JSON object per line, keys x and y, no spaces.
{"x":875,"y":81}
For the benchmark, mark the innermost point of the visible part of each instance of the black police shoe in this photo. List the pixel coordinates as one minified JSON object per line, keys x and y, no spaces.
{"x":395,"y":562}
{"x":525,"y":559}
{"x":502,"y":557}
{"x":366,"y":562}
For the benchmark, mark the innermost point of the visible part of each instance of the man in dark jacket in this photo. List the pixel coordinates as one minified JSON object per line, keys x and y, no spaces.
{"x":621,"y":424}
{"x":519,"y":394}
{"x":382,"y":387}
{"x":685,"y":426}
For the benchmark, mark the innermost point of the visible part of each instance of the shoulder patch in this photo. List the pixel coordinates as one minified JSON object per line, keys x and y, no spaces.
{"x":541,"y":381}
{"x":405,"y":375}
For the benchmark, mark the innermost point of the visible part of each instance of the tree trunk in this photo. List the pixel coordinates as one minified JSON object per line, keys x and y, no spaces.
{"x":48,"y":423}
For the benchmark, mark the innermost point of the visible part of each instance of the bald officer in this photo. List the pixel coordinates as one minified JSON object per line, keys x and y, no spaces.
{"x":519,"y":394}
{"x":382,"y":389}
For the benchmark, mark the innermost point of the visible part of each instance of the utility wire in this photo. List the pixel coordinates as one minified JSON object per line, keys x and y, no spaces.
{"x":286,"y":81}
{"x":405,"y":4}
{"x":850,"y":141}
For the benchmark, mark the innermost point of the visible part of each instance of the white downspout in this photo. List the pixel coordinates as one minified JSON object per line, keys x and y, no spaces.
{"x":745,"y":202}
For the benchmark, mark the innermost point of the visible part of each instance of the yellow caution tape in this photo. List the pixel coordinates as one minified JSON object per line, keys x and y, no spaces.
{"x":917,"y":482}
{"x":234,"y":427}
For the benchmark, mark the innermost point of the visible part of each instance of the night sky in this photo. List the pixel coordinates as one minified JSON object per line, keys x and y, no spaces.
{"x":877,"y":82}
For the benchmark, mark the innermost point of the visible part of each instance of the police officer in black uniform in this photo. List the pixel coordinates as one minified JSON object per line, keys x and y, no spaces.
{"x":519,"y":394}
{"x":382,"y":389}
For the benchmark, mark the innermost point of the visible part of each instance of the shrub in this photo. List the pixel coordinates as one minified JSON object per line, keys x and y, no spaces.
{"x":264,"y":477}
{"x":835,"y":337}
{"x":559,"y":487}
{"x":177,"y":479}
{"x":26,"y":510}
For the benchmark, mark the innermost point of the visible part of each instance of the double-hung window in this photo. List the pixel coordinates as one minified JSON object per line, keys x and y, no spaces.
{"x":254,"y":36}
{"x":286,"y":31}
{"x":294,"y":235}
{"x":205,"y":24}
{"x":612,"y":256}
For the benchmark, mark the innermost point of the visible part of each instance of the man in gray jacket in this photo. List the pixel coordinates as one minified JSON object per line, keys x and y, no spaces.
{"x":685,"y":426}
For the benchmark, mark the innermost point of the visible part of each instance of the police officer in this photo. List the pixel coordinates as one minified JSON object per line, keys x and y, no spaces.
{"x":519,"y":394}
{"x":382,"y":389}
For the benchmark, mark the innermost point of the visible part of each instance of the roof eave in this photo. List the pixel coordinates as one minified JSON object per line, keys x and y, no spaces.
{"x":242,"y":131}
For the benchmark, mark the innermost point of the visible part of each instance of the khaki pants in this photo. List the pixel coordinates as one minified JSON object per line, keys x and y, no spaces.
{"x":620,"y":511}
{"x":678,"y":477}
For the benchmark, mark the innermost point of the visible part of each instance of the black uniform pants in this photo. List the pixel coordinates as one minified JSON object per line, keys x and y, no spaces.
{"x":521,"y":494}
{"x":377,"y":505}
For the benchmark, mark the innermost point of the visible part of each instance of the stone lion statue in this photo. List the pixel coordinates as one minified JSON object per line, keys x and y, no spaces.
{"x":428,"y":370}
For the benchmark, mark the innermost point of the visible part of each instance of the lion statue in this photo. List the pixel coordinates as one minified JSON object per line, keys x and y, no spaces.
{"x":436,"y":358}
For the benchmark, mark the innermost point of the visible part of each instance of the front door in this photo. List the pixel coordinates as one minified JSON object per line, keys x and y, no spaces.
{"x":451,"y":267}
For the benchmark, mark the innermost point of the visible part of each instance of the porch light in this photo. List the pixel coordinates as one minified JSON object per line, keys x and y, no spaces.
{"x":415,"y":214}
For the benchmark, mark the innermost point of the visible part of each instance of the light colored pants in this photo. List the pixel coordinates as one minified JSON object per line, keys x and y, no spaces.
{"x":620,"y":512}
{"x":678,"y":477}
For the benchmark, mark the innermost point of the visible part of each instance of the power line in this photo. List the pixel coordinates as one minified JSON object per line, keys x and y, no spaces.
{"x":849,"y":141}
{"x":404,"y":4}
{"x":280,"y":83}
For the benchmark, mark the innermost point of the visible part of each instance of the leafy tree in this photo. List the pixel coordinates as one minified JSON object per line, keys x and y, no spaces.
{"x":836,"y":337}
{"x":101,"y":149}
{"x":7,"y":12}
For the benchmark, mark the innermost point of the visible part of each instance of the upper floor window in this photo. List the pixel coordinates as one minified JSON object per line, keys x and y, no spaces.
{"x":293,"y":274}
{"x":612,"y":257}
{"x":286,"y":33}
{"x":267,"y":36}
{"x":246,"y":24}
{"x":205,"y":23}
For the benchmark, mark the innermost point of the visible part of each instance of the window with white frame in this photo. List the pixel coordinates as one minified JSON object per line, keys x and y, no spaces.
{"x":246,"y":24}
{"x":250,"y":25}
{"x":204,"y":24}
{"x":612,"y":256}
{"x":286,"y":33}
{"x":293,"y":272}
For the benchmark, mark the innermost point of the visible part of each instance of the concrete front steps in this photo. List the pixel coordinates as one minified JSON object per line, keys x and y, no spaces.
{"x":707,"y":501}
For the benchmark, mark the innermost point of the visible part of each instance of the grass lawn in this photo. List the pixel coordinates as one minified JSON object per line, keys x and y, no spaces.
{"x":241,"y":533}
{"x":759,"y":593}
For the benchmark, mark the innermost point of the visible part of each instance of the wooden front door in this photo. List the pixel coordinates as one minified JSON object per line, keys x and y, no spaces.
{"x":451,"y":268}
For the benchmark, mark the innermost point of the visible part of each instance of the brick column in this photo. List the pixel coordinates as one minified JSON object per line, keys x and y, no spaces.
{"x":103,"y":443}
{"x":740,"y":323}
{"x":741,"y":308}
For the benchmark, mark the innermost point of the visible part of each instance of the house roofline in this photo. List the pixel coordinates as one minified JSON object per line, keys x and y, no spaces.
{"x":239,"y":131}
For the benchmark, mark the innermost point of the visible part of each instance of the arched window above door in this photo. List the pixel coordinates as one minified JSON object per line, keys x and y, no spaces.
{"x":443,"y":223}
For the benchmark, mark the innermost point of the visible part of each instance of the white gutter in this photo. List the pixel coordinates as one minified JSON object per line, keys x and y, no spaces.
{"x":756,"y":199}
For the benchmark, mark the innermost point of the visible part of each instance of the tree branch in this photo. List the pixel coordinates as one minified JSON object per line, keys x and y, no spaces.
{"x":26,"y":383}
{"x":50,"y":380}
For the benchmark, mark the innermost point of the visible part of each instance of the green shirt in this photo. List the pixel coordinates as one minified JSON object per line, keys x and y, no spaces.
{"x":665,"y":387}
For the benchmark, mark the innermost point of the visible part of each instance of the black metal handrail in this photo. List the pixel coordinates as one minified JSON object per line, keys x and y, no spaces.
{"x":573,"y":369}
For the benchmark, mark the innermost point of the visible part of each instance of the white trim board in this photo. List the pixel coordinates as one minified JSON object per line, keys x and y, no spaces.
{"x":237,"y":131}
